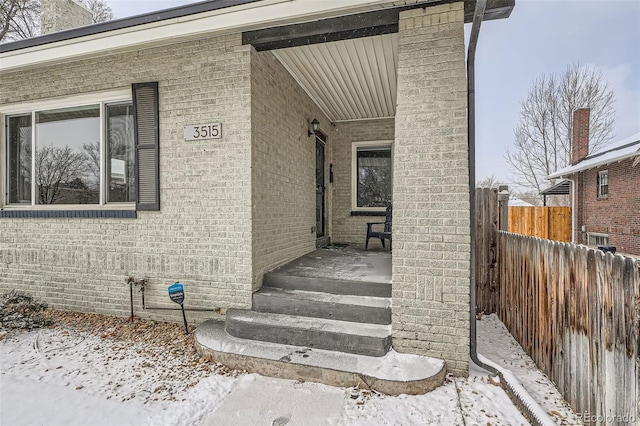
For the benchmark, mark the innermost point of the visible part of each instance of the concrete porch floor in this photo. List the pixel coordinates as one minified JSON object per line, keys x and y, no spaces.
{"x":348,"y":264}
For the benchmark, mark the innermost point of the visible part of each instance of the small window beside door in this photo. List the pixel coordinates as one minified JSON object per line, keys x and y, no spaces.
{"x":371,"y":174}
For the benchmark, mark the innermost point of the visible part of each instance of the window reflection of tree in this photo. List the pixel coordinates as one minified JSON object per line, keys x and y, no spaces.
{"x":93,"y":151}
{"x":120,"y":156}
{"x":62,"y":176}
{"x":374,"y":178}
{"x":69,"y":171}
{"x":20,"y":162}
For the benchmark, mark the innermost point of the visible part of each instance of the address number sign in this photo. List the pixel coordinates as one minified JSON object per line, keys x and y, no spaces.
{"x":203,"y":131}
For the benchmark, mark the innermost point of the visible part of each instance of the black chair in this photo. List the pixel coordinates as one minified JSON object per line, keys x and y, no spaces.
{"x":385,"y":234}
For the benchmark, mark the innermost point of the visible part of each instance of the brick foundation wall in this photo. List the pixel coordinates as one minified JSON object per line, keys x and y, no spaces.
{"x":348,"y":228}
{"x":283,"y":166}
{"x":202,"y":234}
{"x":431,"y":234}
{"x":617,"y":215}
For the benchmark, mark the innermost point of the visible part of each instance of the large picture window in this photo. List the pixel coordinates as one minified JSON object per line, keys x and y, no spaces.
{"x":372,"y":170}
{"x":83,"y":155}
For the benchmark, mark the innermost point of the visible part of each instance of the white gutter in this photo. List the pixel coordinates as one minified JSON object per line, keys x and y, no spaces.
{"x":222,"y":21}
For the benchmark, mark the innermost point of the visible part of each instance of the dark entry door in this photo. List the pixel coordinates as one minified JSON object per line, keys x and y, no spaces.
{"x":320,"y":189}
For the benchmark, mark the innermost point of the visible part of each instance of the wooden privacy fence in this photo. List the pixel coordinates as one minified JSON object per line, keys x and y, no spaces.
{"x":487,"y":284}
{"x":551,"y":223}
{"x":576,"y":311}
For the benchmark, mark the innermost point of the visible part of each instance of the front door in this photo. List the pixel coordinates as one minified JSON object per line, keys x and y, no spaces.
{"x":320,"y":189}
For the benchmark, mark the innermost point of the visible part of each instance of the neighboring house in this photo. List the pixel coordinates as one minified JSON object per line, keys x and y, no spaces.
{"x":605,"y":190}
{"x":184,"y":139}
{"x":517,"y":202}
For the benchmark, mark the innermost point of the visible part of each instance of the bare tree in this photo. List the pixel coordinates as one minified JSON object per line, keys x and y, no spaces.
{"x":59,"y":169}
{"x":92,"y":150}
{"x":489,"y":182}
{"x":101,"y":10}
{"x":542,"y":138}
{"x":20,"y":19}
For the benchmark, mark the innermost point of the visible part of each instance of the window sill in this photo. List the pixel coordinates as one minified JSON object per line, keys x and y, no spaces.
{"x":104,"y":213}
{"x":368,"y":213}
{"x":603,"y":197}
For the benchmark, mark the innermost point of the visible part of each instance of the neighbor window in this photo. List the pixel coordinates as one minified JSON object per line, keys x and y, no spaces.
{"x":371,"y":163}
{"x":594,"y":239}
{"x":603,"y":183}
{"x":84,"y":154}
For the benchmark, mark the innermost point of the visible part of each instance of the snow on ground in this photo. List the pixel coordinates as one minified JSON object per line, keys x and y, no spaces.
{"x":68,"y":376}
{"x":496,"y":343}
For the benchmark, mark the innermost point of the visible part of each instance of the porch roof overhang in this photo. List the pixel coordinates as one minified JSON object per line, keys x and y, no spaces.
{"x":560,"y":188}
{"x":343,"y":54}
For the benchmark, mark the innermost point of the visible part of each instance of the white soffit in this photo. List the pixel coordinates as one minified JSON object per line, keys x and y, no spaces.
{"x":348,"y":79}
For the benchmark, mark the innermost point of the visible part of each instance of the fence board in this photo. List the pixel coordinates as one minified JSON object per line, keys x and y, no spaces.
{"x":551,"y":223}
{"x":576,"y":311}
{"x":487,"y":282}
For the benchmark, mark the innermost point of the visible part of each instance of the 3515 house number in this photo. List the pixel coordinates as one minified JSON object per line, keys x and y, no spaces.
{"x":203,"y":131}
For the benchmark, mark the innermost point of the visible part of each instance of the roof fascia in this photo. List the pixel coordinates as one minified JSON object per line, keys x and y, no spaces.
{"x":105,"y":38}
{"x":246,"y":15}
{"x":118,"y":24}
{"x":571,"y":170}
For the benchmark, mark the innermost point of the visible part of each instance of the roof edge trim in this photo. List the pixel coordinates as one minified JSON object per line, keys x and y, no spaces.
{"x":119,"y":24}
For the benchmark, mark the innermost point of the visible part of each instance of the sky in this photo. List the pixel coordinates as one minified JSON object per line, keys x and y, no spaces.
{"x":540,"y":37}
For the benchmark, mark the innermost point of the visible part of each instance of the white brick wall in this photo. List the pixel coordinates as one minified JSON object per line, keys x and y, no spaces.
{"x":430,"y":189}
{"x":283,"y":166}
{"x":201,"y":236}
{"x":59,"y":15}
{"x":236,"y":207}
{"x":347,"y":228}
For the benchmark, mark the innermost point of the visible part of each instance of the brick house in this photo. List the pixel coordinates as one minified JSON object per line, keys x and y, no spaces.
{"x":604,"y":190}
{"x":180,"y":145}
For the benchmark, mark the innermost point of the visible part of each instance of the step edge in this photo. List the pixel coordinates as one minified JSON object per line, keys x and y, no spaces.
{"x":275,"y":275}
{"x":300,"y":320}
{"x":292,"y":370}
{"x":306,"y":295}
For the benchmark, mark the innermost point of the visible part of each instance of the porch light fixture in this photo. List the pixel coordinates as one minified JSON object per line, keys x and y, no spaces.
{"x":314,"y":126}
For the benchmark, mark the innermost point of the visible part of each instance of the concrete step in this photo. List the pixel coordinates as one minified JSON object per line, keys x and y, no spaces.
{"x":392,"y":374}
{"x":362,"y":309}
{"x":327,"y":285}
{"x":334,"y":335}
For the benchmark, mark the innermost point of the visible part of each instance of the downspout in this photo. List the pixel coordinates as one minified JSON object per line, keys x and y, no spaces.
{"x":573,"y":209}
{"x":518,"y":394}
{"x":471,"y":117}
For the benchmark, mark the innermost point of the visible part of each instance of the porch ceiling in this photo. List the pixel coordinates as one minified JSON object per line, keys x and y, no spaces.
{"x":348,"y":79}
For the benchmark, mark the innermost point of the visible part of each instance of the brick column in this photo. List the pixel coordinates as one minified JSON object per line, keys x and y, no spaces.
{"x":431,"y":234}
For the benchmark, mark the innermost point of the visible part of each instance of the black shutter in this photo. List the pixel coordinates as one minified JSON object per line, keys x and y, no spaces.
{"x":147,"y":132}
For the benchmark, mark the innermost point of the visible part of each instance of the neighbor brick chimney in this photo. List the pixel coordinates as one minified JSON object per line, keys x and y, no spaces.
{"x":580,"y":135}
{"x":59,"y":15}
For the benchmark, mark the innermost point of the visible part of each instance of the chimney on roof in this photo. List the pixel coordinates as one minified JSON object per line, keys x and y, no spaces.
{"x":580,"y":135}
{"x":59,"y":15}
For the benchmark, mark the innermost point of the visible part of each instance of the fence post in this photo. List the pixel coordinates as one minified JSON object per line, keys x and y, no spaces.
{"x":503,"y":208}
